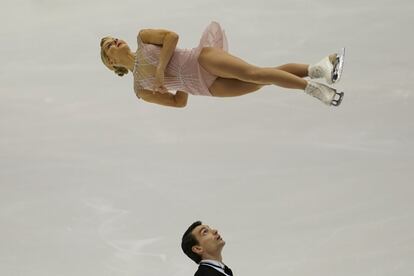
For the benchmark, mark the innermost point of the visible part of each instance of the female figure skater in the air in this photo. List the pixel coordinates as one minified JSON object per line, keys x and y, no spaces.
{"x":159,"y":68}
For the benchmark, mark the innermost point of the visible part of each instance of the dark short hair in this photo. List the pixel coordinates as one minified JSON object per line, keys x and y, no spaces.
{"x":188,"y":241}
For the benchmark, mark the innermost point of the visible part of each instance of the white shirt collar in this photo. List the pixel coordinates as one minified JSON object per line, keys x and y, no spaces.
{"x":213,"y":262}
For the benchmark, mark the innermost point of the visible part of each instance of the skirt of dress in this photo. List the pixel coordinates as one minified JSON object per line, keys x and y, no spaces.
{"x":213,"y":36}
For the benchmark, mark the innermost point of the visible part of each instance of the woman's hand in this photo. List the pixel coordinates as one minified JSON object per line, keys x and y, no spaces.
{"x":159,"y":81}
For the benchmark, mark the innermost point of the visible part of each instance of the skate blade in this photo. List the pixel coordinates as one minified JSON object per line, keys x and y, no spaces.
{"x":338,"y":98}
{"x":338,"y":66}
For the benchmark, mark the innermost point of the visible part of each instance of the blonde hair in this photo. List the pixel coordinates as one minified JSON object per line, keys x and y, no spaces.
{"x":120,"y":71}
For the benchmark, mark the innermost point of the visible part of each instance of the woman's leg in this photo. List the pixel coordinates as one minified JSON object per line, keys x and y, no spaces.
{"x":300,"y":70}
{"x":222,"y":87}
{"x":225,"y":65}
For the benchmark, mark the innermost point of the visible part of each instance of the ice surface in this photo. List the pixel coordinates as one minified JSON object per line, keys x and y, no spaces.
{"x":95,"y":182}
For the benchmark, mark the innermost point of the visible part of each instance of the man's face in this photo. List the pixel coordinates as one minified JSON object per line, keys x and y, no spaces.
{"x":210,"y":242}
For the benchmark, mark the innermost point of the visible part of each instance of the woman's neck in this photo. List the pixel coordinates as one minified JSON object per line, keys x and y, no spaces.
{"x":131,"y":58}
{"x":128,"y":61}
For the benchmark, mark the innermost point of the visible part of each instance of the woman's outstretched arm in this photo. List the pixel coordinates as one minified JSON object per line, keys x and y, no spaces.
{"x":178,"y":99}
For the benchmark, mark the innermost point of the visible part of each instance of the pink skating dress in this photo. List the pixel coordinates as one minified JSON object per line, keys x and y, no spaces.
{"x":183,"y":72}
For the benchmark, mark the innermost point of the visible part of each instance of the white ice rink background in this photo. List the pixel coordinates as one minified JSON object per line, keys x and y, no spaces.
{"x":95,"y":182}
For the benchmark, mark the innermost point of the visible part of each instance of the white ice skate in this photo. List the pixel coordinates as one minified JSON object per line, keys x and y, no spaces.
{"x":330,"y":71}
{"x":324,"y":93}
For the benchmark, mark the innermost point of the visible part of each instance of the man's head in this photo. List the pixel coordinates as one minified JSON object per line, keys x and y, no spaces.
{"x":201,"y":242}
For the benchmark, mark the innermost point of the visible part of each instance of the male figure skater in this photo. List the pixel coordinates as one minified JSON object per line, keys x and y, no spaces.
{"x":203,"y":245}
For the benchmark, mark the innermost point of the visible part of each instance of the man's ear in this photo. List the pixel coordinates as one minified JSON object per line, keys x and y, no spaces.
{"x":197,"y":249}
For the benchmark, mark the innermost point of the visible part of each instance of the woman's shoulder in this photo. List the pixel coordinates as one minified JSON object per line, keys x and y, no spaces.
{"x":155,"y":36}
{"x":139,"y":39}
